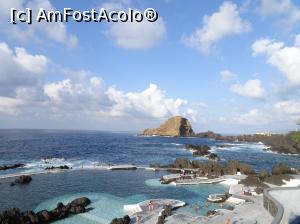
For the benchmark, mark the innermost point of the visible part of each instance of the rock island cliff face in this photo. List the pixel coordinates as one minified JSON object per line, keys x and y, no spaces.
{"x":175,"y":126}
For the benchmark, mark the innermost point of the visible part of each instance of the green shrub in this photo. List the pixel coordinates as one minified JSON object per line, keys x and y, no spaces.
{"x":295,"y":136}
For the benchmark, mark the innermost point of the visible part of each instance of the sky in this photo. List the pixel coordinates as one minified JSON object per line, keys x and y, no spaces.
{"x":228,"y":66}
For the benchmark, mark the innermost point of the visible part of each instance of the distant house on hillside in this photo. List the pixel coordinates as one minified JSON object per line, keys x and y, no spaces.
{"x":264,"y":133}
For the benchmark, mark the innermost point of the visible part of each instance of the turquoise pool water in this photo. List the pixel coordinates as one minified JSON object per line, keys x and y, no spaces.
{"x":105,"y":206}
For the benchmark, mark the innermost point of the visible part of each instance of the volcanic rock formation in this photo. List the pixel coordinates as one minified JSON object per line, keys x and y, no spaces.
{"x":175,"y":126}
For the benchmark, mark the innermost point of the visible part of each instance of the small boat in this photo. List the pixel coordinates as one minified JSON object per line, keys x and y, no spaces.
{"x":216,"y":198}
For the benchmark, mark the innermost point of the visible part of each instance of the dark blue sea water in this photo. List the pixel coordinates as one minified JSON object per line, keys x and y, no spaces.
{"x":109,"y":190}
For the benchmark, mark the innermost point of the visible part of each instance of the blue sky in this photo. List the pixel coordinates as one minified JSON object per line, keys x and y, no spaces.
{"x":229,"y":66}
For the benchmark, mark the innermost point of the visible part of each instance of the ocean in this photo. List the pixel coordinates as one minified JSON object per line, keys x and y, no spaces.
{"x":110,"y":190}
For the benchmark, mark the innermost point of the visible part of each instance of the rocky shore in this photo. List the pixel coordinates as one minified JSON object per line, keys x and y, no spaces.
{"x":280,"y":143}
{"x":125,"y":220}
{"x":198,"y":150}
{"x":62,"y":167}
{"x":21,"y":180}
{"x":211,"y":168}
{"x":215,"y":169}
{"x":263,"y":178}
{"x":9,"y":167}
{"x":15,"y":216}
{"x":202,"y":150}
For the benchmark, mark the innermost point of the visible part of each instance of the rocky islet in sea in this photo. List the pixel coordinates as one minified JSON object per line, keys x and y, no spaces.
{"x":22,"y":180}
{"x":202,"y":151}
{"x":13,"y":166}
{"x":175,"y":126}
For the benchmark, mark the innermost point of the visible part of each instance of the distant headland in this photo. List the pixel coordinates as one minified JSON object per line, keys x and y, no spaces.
{"x":179,"y":126}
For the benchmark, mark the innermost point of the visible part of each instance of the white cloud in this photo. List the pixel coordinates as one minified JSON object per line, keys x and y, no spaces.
{"x":92,"y":97}
{"x":7,"y":5}
{"x":266,"y":45}
{"x":19,"y":69}
{"x":227,"y":75}
{"x":134,"y":35}
{"x":285,"y":59}
{"x":32,"y":63}
{"x":223,"y":23}
{"x":54,"y":31}
{"x":117,"y":5}
{"x":191,"y":113}
{"x":137,"y":35}
{"x":253,"y":117}
{"x":10,"y":105}
{"x":251,"y":89}
{"x":92,"y":100}
{"x":291,"y":107}
{"x":57,"y":91}
{"x":289,"y":14}
{"x":150,"y":102}
{"x":83,"y":94}
{"x":297,"y":40}
{"x":23,"y":90}
{"x":274,"y":7}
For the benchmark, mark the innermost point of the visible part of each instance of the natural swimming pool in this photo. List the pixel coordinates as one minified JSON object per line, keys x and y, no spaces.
{"x":108,"y":190}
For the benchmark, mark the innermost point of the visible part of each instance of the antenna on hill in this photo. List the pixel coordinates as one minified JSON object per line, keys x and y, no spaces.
{"x":298,"y":123}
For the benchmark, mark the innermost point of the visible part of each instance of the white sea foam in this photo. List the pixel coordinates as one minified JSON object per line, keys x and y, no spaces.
{"x":213,"y":149}
{"x":239,"y":147}
{"x":177,"y":144}
{"x":40,"y":165}
{"x":268,"y":150}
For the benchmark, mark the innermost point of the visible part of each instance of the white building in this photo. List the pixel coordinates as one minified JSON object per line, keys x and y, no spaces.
{"x":266,"y":133}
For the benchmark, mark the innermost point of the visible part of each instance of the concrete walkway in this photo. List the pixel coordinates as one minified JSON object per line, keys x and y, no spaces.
{"x":248,"y":213}
{"x":289,"y":198}
{"x":148,"y":216}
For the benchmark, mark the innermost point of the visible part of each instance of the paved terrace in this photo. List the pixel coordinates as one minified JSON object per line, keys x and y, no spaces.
{"x":248,"y":213}
{"x":289,"y":198}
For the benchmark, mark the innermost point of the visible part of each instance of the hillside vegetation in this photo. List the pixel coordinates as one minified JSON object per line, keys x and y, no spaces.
{"x":295,"y":136}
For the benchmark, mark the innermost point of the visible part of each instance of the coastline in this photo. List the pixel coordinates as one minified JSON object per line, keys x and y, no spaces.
{"x":254,"y":138}
{"x":175,"y":146}
{"x":241,"y":210}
